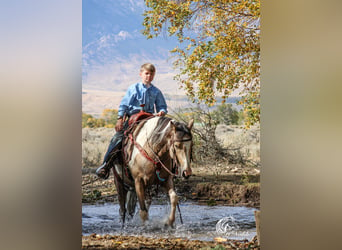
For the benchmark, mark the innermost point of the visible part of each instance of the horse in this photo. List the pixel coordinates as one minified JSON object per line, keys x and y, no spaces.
{"x":153,"y":153}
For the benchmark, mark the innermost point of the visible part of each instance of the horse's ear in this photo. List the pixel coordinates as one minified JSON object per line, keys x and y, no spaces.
{"x":173,"y":125}
{"x":190,"y":124}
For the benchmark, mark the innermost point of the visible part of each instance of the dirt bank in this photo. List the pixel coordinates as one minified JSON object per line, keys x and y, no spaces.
{"x":240,"y":187}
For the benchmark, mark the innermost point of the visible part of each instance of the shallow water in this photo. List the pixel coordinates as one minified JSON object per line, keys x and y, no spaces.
{"x":199,"y":222}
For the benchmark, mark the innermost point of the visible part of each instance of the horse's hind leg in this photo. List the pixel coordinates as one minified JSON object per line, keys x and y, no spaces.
{"x":121,"y":196}
{"x":122,"y":201}
{"x":139,"y":188}
{"x":131,"y":202}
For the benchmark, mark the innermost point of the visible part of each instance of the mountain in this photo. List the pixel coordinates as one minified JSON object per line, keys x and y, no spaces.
{"x":95,"y":101}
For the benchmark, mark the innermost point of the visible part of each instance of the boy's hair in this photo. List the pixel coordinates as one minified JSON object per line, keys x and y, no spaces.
{"x":149,"y":67}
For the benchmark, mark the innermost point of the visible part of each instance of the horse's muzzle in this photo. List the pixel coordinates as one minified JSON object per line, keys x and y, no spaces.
{"x":186,"y":174}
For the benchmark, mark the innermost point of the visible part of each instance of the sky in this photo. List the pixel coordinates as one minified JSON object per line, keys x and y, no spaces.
{"x":113,"y":47}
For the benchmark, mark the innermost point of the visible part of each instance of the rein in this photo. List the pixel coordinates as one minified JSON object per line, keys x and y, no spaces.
{"x":141,"y":149}
{"x":183,"y":140}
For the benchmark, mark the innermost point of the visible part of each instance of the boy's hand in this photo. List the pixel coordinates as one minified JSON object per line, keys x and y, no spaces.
{"x":161,"y":113}
{"x":119,"y":125}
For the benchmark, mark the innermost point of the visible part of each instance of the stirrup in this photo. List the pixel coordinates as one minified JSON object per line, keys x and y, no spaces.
{"x":103,"y":172}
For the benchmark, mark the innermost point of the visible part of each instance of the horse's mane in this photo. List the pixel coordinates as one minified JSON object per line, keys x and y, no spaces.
{"x":161,"y":130}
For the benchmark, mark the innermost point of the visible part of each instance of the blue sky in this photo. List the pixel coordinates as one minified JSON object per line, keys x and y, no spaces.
{"x":114,"y":48}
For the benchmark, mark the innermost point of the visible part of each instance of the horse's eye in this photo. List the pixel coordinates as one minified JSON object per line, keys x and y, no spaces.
{"x":177,"y":146}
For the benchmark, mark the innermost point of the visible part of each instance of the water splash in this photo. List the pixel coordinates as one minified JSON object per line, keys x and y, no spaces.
{"x":200,"y":222}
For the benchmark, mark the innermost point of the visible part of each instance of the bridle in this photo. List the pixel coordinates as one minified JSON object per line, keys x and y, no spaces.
{"x":181,"y":140}
{"x":173,"y":147}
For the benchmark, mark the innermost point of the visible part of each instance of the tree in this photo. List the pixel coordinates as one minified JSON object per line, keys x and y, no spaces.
{"x":226,"y":114}
{"x":87,"y":120}
{"x":110,"y":116}
{"x":99,"y":123}
{"x":206,"y":146}
{"x":219,"y":47}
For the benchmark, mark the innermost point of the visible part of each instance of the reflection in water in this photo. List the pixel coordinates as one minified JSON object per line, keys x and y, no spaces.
{"x":200,"y":222}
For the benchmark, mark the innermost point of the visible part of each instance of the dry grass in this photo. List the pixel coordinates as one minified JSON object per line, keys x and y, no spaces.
{"x":237,"y":141}
{"x":94,"y":145}
{"x":240,"y":142}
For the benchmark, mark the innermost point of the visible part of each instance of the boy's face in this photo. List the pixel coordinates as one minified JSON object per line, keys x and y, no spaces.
{"x":146,"y":76}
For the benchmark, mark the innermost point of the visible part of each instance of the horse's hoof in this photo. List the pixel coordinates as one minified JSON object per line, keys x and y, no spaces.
{"x":168,"y":225}
{"x":143,"y":215}
{"x":130,"y":217}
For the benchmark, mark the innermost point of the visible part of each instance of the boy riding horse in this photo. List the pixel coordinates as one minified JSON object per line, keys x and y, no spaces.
{"x":143,"y":94}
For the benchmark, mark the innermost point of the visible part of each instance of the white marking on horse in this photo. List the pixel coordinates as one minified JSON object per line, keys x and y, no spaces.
{"x":145,"y":133}
{"x":149,"y":128}
{"x":184,"y":159}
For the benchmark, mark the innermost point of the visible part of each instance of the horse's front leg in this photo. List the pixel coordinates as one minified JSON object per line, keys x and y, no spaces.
{"x":140,"y":190}
{"x":148,"y":198}
{"x":173,"y":200}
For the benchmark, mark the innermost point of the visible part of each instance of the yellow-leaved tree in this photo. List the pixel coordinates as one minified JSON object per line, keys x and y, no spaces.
{"x":110,"y":117}
{"x":219,"y":47}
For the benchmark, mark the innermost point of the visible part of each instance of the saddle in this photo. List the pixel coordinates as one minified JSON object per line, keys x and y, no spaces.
{"x":138,"y":116}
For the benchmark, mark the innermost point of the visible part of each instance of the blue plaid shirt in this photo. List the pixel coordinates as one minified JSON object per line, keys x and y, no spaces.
{"x":138,"y":94}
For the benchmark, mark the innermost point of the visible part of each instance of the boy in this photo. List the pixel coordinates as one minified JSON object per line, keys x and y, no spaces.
{"x":142,"y":93}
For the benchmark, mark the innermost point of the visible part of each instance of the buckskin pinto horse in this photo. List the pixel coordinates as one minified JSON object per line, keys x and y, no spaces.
{"x":149,"y":148}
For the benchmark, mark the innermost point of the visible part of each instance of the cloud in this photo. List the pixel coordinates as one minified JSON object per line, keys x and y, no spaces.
{"x":122,"y":35}
{"x":136,"y":5}
{"x":122,"y":71}
{"x":121,"y":8}
{"x":104,"y":49}
{"x":109,"y":40}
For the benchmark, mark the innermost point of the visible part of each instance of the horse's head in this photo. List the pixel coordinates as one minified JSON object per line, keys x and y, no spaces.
{"x":181,"y":146}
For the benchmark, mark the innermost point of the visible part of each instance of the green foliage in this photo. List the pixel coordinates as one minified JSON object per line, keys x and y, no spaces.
{"x":218,"y":247}
{"x":251,"y":106}
{"x":88,"y":121}
{"x":110,"y":116}
{"x":211,"y":202}
{"x":245,"y":179}
{"x":219,"y":47}
{"x":96,"y":194}
{"x":100,"y":123}
{"x":226,"y":114}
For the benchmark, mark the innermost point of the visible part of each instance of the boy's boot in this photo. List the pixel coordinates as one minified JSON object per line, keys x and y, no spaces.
{"x":103,"y":171}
